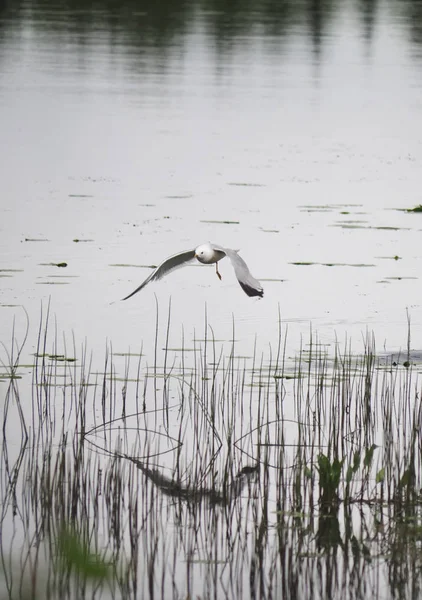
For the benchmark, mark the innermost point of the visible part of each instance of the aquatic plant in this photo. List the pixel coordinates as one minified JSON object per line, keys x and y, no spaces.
{"x":209,"y":475}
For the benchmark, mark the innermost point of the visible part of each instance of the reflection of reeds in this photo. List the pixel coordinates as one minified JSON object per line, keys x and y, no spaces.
{"x":211,"y":475}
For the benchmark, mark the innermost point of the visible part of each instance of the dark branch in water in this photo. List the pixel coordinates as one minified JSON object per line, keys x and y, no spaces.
{"x":175,"y":489}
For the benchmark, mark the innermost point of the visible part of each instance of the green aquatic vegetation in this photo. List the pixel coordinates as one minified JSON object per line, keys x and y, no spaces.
{"x":273,"y":279}
{"x":131,"y":265}
{"x":329,"y":478}
{"x":307,"y":264}
{"x":390,"y":257}
{"x":221,"y":222}
{"x":416,"y":209}
{"x":388,"y":228}
{"x":75,"y":555}
{"x":61,"y":264}
{"x":350,"y":226}
{"x":347,"y":264}
{"x":10,"y":376}
{"x":52,"y":282}
{"x":399,"y":278}
{"x":55,"y":357}
{"x":245,"y":184}
{"x":61,"y":276}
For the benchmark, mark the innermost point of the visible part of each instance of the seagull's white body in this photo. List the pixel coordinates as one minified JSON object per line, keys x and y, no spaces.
{"x":207,"y":254}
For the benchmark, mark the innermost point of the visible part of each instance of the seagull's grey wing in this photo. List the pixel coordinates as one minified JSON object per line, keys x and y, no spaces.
{"x":248,"y":283}
{"x":171,"y":263}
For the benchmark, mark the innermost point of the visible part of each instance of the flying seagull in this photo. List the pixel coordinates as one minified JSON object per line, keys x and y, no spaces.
{"x":207,"y":254}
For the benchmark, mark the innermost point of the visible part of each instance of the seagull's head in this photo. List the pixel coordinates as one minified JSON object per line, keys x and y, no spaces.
{"x":206,"y":254}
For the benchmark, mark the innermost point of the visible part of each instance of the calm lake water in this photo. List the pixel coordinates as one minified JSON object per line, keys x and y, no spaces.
{"x":289,"y":130}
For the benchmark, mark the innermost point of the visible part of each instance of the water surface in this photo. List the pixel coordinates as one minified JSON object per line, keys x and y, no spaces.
{"x":291,"y":131}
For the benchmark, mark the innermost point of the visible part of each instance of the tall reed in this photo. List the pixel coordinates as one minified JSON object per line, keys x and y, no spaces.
{"x":210,"y":475}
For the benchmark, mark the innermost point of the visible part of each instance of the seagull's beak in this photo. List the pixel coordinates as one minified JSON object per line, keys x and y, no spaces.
{"x":195,"y":255}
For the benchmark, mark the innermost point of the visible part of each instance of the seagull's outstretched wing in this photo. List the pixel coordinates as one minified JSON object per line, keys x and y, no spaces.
{"x":248,"y":283}
{"x":171,"y":263}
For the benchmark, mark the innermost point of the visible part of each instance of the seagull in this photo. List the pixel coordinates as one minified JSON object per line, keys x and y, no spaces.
{"x":207,"y":254}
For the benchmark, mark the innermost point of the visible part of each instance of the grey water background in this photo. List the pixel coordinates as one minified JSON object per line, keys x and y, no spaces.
{"x":288,"y":130}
